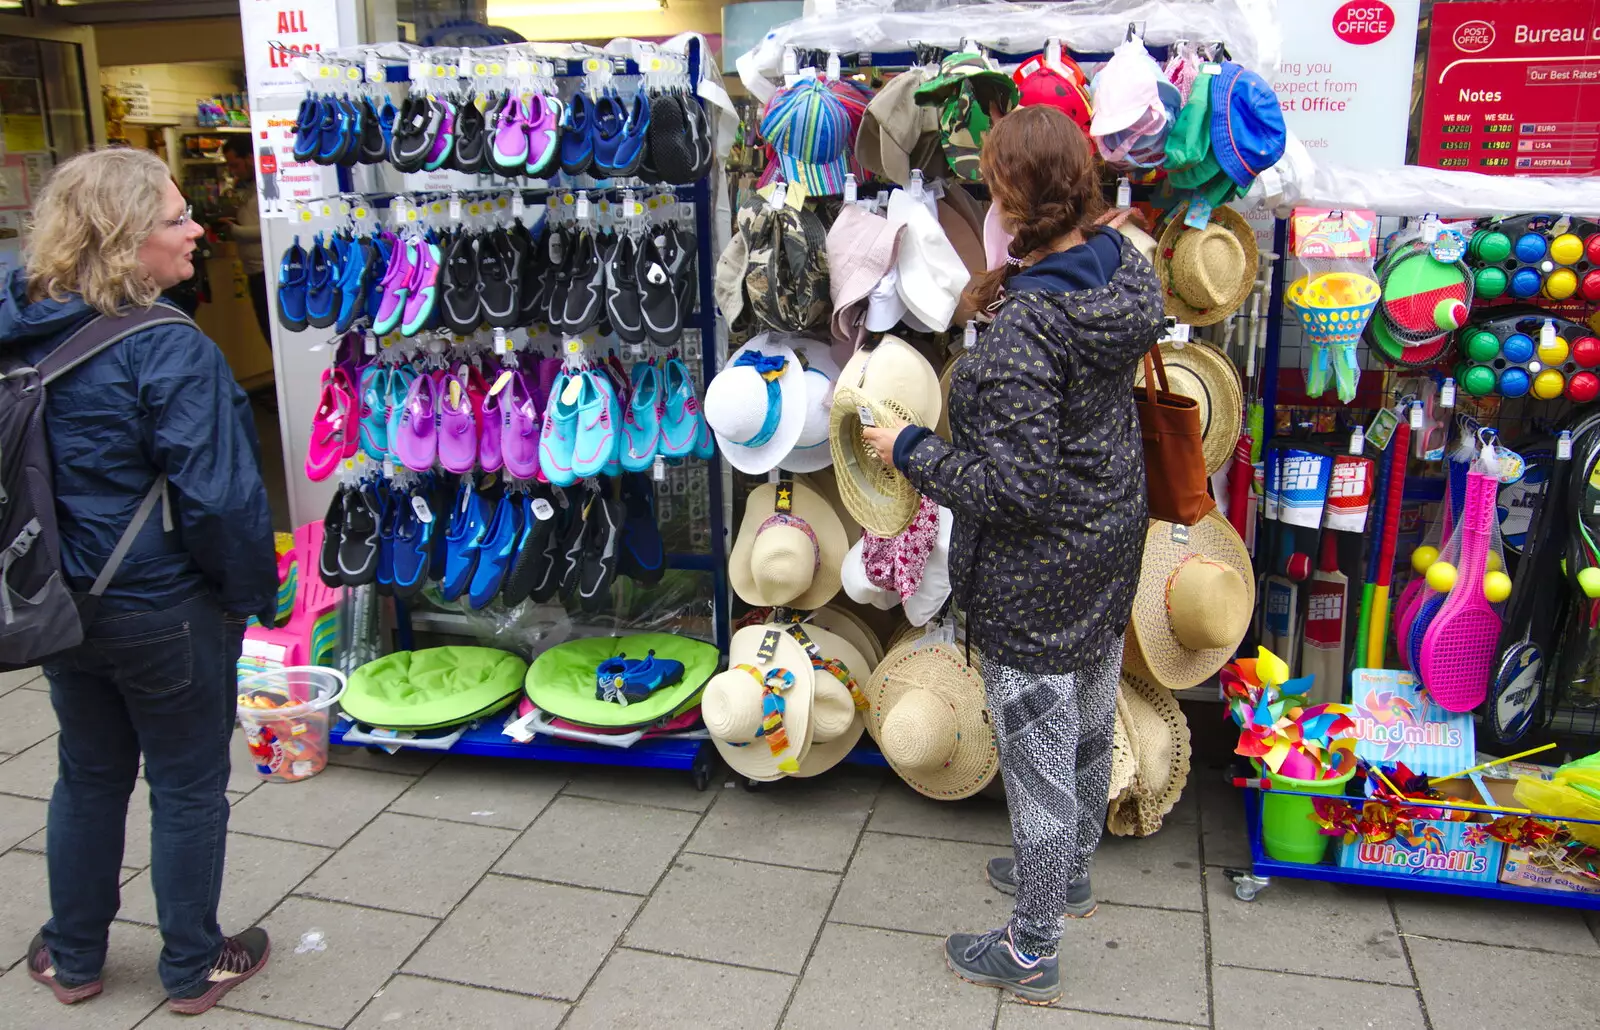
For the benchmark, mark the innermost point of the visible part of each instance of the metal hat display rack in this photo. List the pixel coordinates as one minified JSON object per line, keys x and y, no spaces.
{"x":399,"y":63}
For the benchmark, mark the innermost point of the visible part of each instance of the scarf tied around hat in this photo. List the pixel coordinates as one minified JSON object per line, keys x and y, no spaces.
{"x":770,"y":368}
{"x":773,"y":685}
{"x":898,"y":562}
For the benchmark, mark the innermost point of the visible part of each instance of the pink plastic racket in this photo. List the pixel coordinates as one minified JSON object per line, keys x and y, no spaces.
{"x":1459,"y":648}
{"x":1405,"y":612}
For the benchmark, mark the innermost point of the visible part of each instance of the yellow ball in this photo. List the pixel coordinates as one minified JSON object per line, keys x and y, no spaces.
{"x":1555,"y":351}
{"x":1549,"y":384}
{"x":1563,"y":283}
{"x":1589,"y":581}
{"x":1423,"y":557}
{"x":1441,"y":577}
{"x":1496,"y":587}
{"x":1493,"y":562}
{"x":1566,"y":249}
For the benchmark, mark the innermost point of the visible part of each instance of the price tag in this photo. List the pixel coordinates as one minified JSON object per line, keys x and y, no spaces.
{"x":1430,"y":228}
{"x":1178,"y":333}
{"x":374,"y":68}
{"x":516,"y":205}
{"x":1416,"y":417}
{"x":414,"y":69}
{"x":658,"y":469}
{"x":1199,"y":214}
{"x":969,"y":335}
{"x":455,"y":209}
{"x":1124,"y":192}
{"x":573,"y":346}
{"x":388,"y":468}
{"x":1382,"y":428}
{"x":419,"y":504}
{"x":369,"y":344}
{"x":543,"y":510}
{"x":1447,"y":394}
{"x":1564,"y":446}
{"x":1211,"y":68}
{"x":1358,"y":441}
{"x":864,"y":413}
{"x":1547,"y":334}
{"x":583,"y":206}
{"x":464,"y":63}
{"x":502,"y":345}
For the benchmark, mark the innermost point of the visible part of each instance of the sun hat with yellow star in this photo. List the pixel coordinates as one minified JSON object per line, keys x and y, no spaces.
{"x":789,"y":549}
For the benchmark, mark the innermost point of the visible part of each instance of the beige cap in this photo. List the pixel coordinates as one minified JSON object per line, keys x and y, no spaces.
{"x":897,"y":134}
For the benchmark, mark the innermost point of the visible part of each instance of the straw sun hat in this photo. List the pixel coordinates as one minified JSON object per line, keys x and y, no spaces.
{"x":790,"y":547}
{"x":1192,"y":608}
{"x":1207,"y":273}
{"x":739,"y":706}
{"x":890,"y":382}
{"x":1204,"y":373}
{"x":926,"y":711}
{"x":836,"y":722}
{"x":1159,"y":737}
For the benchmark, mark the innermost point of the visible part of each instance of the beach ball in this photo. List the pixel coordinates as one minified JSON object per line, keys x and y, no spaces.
{"x":1586,"y":352}
{"x":1514,"y":382}
{"x":1530,"y":247}
{"x":1583,"y":388}
{"x":1525,"y":282}
{"x":1479,"y":381}
{"x":1561,"y":284}
{"x":1517,"y":348}
{"x":1490,"y":246}
{"x":1554,"y":351}
{"x":1549,"y":384}
{"x":1566,"y":249}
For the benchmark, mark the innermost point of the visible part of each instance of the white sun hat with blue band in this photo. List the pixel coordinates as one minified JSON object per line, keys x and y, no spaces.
{"x":811,"y":451}
{"x":756,"y":406}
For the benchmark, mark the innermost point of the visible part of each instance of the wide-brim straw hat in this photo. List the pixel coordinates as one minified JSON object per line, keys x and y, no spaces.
{"x":927,"y":711}
{"x":1207,"y":274}
{"x":732,"y":705}
{"x":1204,"y":373}
{"x":894,"y":371}
{"x":1196,"y":585}
{"x":874,"y":493}
{"x":946,"y":377}
{"x":836,"y":723}
{"x":840,"y":620}
{"x":785,"y":568}
{"x":1159,"y":736}
{"x":1124,"y":766}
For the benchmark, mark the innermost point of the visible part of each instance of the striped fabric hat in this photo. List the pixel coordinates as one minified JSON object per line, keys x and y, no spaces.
{"x":810,"y":129}
{"x":854,"y":97}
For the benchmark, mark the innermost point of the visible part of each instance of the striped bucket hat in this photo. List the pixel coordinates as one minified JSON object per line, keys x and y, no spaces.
{"x":808,"y":126}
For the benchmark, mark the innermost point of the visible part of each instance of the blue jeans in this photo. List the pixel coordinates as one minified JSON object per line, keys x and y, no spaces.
{"x":164,"y":684}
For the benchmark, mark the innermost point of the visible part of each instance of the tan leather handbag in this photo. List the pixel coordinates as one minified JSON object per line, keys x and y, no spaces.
{"x":1174,"y":464}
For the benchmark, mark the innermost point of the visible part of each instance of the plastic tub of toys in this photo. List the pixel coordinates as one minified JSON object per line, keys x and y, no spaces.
{"x":285,"y":713}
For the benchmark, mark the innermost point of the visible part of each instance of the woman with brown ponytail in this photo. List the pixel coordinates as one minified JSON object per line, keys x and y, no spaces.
{"x":1045,"y":477}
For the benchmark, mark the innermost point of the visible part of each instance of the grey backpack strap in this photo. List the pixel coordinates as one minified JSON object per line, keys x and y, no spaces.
{"x":101,"y":332}
{"x":146,"y":507}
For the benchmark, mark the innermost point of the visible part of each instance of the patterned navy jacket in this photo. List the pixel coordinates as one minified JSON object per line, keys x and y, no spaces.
{"x":1045,"y":470}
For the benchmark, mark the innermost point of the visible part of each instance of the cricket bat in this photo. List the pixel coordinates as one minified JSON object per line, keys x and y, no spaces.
{"x":1282,"y":599}
{"x":1323,"y":656}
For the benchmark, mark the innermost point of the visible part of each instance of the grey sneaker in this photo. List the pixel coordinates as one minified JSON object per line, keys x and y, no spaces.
{"x":1002,"y":876}
{"x":992,"y":960}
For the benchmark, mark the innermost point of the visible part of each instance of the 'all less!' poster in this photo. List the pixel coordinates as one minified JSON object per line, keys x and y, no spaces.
{"x":275,"y":31}
{"x":1513,"y":88}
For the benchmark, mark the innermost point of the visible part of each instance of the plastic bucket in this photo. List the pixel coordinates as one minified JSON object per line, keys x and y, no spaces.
{"x":284,"y":714}
{"x":1288,"y":830}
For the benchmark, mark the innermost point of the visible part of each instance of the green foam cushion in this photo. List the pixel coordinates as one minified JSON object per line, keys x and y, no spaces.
{"x":561,"y":681}
{"x":434,"y":688}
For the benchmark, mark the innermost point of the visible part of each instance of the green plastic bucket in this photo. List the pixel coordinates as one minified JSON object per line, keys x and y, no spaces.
{"x":1288,"y":829}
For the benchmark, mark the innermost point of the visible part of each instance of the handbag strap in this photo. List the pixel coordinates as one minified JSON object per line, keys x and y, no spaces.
{"x":1159,"y":373}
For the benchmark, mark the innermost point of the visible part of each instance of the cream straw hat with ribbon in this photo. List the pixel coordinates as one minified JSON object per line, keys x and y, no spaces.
{"x":758,"y":712}
{"x":790,"y":547}
{"x":1207,"y":273}
{"x":837,"y":711}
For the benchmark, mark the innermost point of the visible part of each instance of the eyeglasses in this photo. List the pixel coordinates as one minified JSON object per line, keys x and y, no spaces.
{"x":182,"y":220}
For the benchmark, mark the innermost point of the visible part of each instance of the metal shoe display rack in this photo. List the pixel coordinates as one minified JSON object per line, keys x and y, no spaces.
{"x":485,"y":739}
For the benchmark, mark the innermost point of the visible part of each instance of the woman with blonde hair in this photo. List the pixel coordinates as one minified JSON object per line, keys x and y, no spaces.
{"x":154,"y":415}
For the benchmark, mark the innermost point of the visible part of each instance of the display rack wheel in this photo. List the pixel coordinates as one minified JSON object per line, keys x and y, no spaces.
{"x":703,"y":767}
{"x":754,"y":786}
{"x":1247,"y":885}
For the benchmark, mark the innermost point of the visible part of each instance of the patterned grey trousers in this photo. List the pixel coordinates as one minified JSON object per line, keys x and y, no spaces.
{"x":1054,"y":734}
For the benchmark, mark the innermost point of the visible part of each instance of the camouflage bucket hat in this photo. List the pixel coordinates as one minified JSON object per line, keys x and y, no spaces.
{"x":786,"y":270}
{"x":970,"y":97}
